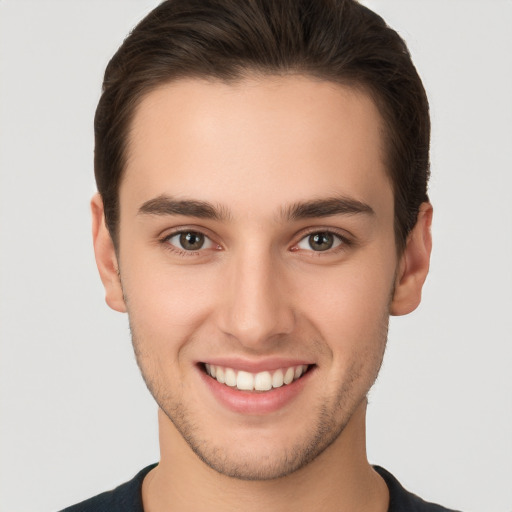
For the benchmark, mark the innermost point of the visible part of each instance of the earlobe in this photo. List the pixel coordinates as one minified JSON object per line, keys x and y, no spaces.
{"x":106,"y":258}
{"x":414,"y":264}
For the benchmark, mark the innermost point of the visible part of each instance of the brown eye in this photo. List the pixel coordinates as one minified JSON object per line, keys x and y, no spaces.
{"x":189,"y":241}
{"x":320,"y":241}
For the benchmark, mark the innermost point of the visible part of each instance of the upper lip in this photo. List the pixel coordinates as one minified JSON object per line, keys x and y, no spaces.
{"x":256,"y":366}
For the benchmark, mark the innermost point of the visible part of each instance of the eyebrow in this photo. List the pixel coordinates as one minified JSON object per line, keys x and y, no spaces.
{"x":326,"y":208}
{"x":316,"y":208}
{"x":166,"y":205}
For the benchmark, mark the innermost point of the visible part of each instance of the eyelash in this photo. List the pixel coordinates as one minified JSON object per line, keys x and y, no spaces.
{"x":182,"y":252}
{"x":345,"y":242}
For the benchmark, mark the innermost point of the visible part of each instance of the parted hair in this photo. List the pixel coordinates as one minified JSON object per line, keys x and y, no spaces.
{"x":340,"y":41}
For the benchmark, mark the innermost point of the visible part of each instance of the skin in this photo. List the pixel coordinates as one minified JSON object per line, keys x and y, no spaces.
{"x":257,"y":290}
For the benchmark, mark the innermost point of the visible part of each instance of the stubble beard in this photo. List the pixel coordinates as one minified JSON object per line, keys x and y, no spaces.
{"x":332,"y":417}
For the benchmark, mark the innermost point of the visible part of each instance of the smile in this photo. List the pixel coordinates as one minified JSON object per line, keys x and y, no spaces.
{"x":261,"y":381}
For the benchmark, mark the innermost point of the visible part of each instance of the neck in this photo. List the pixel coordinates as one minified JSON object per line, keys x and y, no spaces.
{"x":340,"y":479}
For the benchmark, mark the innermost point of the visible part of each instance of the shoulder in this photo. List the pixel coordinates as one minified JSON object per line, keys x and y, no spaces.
{"x":125,"y":498}
{"x":401,"y":500}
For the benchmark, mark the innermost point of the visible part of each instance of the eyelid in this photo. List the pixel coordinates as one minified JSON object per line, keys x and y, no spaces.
{"x":168,"y":235}
{"x":207,"y":245}
{"x":341,"y":235}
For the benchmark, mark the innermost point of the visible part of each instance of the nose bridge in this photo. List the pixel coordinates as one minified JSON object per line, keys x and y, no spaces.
{"x":257,"y":308}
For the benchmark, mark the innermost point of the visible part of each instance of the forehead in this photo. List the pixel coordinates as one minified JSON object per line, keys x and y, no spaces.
{"x":254,"y":142}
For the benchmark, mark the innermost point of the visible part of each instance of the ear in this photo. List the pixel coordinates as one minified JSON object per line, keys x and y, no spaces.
{"x":414,"y":264}
{"x":106,"y":258}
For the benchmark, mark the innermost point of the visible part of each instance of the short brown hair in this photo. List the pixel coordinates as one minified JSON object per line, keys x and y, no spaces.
{"x":336,"y":40}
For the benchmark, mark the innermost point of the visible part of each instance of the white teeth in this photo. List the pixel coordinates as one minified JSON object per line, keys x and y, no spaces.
{"x":230,"y":376}
{"x":262,"y":381}
{"x":277,"y":379}
{"x":244,"y":381}
{"x":288,"y":376}
{"x":220,"y":375}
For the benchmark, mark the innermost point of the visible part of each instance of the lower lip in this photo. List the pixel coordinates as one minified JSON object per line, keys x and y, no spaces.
{"x":252,"y":402}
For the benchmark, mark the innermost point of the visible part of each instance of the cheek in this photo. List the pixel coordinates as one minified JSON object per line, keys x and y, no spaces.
{"x":166,"y":305}
{"x":349,"y":309}
{"x":352,"y":320}
{"x":347,"y":298}
{"x":166,"y":309}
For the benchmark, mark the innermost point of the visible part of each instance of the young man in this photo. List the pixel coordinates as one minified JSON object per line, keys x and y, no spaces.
{"x":262,"y":171}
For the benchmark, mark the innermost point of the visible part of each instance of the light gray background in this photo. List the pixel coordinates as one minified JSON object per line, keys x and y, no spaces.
{"x":75,"y":416}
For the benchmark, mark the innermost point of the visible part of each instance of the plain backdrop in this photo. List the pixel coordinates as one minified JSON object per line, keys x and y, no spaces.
{"x":75,"y":416}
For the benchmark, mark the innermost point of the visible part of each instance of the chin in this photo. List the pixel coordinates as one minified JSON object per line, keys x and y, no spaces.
{"x":259,"y":454}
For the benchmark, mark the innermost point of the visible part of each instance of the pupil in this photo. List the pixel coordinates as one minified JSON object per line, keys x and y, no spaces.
{"x":191,"y":241}
{"x":321,"y":241}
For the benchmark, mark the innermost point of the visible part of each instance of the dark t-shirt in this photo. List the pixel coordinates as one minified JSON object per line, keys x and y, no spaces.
{"x":128,"y":497}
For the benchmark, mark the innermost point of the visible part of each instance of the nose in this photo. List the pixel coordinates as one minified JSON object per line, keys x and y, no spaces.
{"x":257,"y":306}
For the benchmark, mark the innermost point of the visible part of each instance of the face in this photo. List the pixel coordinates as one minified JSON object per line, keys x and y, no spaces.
{"x":257,"y":262}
